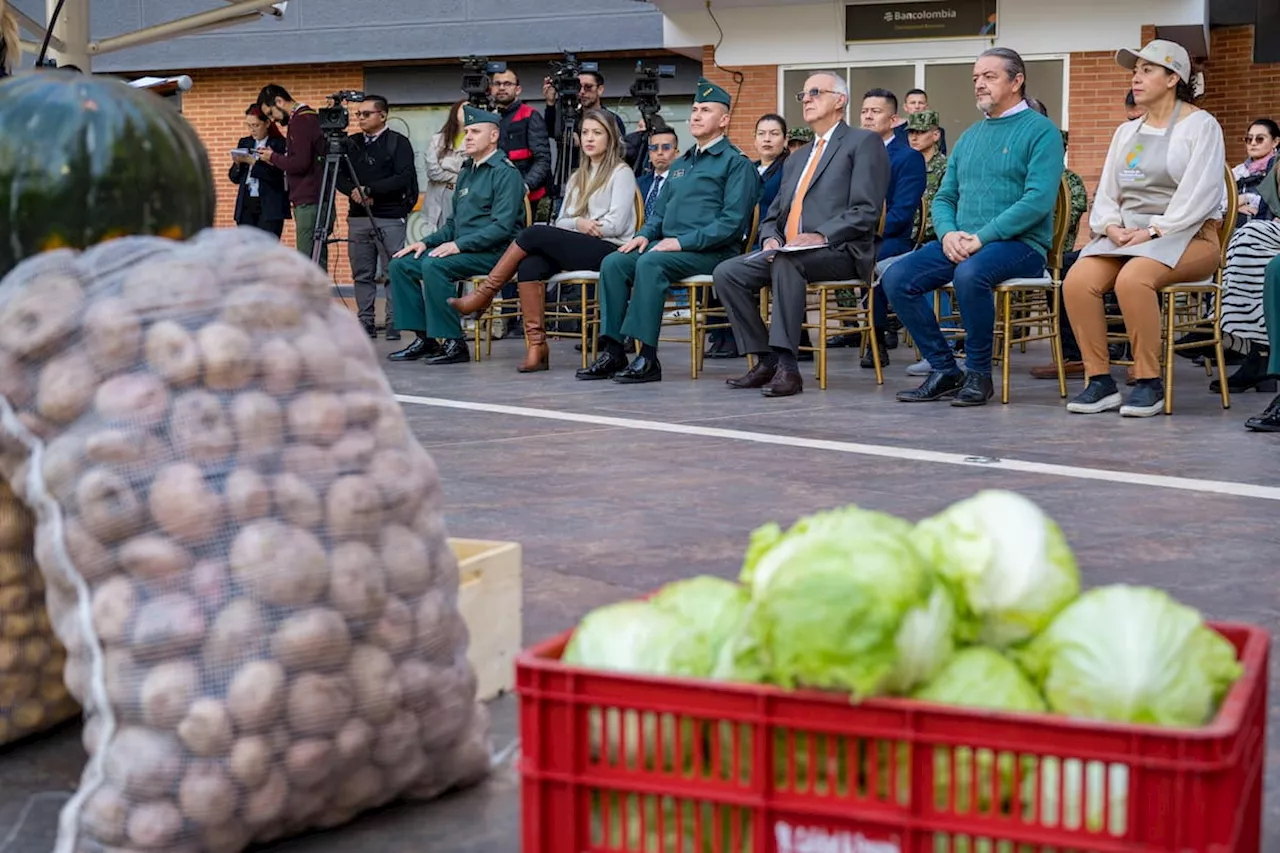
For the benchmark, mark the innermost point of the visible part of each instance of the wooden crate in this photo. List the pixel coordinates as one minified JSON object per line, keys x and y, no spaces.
{"x":490,"y":599}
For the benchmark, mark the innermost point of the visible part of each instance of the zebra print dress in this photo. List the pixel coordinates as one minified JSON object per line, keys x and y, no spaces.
{"x":1252,"y":247}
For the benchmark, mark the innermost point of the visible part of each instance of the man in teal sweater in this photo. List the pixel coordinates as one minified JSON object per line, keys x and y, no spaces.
{"x":994,"y":218}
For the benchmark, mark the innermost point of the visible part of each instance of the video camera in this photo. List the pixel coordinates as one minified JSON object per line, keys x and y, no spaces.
{"x":564,"y":79}
{"x":335,"y":118}
{"x":477,"y":72}
{"x":645,"y":90}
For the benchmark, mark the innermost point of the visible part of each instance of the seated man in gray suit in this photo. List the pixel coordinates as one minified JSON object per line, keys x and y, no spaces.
{"x":833,"y":190}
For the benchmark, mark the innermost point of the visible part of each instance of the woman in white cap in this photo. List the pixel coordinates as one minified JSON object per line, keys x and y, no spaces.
{"x":1155,"y":222}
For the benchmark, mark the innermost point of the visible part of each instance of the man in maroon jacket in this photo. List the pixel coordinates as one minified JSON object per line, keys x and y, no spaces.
{"x":302,"y":163}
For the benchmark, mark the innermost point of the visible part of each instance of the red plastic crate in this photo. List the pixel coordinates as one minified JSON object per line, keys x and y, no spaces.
{"x":615,"y":762}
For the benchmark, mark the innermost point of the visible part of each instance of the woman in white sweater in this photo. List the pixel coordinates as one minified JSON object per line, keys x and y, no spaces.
{"x":1155,"y":222}
{"x":598,"y":216}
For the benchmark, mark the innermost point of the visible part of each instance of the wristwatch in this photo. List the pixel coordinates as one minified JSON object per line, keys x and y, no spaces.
{"x":1152,"y":232}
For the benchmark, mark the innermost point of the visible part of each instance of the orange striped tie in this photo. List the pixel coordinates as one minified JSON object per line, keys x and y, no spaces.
{"x":797,"y":204}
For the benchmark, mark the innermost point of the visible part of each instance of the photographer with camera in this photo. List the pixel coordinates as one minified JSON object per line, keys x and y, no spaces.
{"x":522,"y":134}
{"x":302,"y":162}
{"x":590,"y":97}
{"x":388,"y":183}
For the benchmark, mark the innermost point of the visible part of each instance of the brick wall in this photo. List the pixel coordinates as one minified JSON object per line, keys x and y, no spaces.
{"x":215,"y":106}
{"x":758,"y":95}
{"x":1236,"y":89}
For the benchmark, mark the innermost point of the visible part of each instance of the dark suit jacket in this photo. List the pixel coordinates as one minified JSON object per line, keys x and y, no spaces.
{"x":845,"y":197}
{"x":271,"y":189}
{"x":770,"y":182}
{"x":906,"y":187}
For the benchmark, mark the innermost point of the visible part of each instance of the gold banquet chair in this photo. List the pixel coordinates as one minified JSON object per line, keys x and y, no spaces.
{"x":484,"y":323}
{"x":584,"y":306}
{"x":702,"y":316}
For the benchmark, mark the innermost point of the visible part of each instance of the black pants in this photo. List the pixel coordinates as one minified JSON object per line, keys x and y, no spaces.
{"x":251,"y":216}
{"x":552,"y":250}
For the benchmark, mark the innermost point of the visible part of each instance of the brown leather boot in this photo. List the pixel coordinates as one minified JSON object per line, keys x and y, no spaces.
{"x":533,"y":306}
{"x":482,"y":297}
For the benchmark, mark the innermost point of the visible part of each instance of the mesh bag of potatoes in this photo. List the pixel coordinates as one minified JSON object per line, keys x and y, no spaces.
{"x":241,"y":542}
{"x":32,"y":694}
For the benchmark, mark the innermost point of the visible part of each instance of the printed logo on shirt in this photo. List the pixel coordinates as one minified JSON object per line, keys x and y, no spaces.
{"x":675,"y":173}
{"x":1132,"y":171}
{"x":463,"y":191}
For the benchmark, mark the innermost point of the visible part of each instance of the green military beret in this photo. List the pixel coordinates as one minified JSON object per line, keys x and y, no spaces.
{"x":475,"y":115}
{"x":800,"y":134}
{"x":923,"y":120}
{"x":710,"y":93}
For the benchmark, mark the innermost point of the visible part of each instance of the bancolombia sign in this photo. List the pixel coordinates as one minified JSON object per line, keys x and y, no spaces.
{"x":930,"y":19}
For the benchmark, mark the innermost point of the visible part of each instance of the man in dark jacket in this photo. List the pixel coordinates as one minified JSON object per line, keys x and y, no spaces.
{"x":383,"y":163}
{"x":590,"y":96}
{"x":522,"y":134}
{"x":302,"y":162}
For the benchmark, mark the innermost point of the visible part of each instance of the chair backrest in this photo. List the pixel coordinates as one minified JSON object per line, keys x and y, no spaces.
{"x":753,"y":230}
{"x":1228,"y":226}
{"x":924,"y":223}
{"x":528,"y":211}
{"x":639,"y":209}
{"x":1061,"y":225}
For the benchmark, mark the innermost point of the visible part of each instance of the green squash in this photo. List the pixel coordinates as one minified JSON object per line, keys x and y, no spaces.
{"x":87,"y":159}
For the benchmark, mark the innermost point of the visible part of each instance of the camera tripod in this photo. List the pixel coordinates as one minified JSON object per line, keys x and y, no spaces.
{"x":568,"y":117}
{"x":335,"y":159}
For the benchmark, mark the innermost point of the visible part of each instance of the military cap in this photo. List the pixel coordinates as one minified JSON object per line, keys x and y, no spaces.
{"x":475,"y":115}
{"x":710,"y":93}
{"x":923,"y":120}
{"x":801,"y":134}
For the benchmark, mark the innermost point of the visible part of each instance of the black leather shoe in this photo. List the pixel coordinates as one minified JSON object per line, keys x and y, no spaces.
{"x":848,"y":339}
{"x":976,"y":391}
{"x":605,"y":365}
{"x":757,"y":377}
{"x":370,"y":330}
{"x":785,"y":383}
{"x":937,"y":386}
{"x":1268,"y":421}
{"x":453,"y":351}
{"x":721,"y":348}
{"x":640,"y":370}
{"x":868,"y":362}
{"x":392,"y":334}
{"x":420,"y":348}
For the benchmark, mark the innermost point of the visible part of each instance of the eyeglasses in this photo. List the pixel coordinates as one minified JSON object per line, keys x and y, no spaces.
{"x":587,"y":87}
{"x":661,"y":146}
{"x":368,"y":113}
{"x":813,"y":93}
{"x":1259,"y":139}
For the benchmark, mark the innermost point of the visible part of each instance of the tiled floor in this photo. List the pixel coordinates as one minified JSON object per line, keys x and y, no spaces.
{"x":608,"y":511}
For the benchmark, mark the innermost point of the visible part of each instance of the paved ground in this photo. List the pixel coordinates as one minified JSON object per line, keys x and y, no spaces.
{"x":608,"y":509}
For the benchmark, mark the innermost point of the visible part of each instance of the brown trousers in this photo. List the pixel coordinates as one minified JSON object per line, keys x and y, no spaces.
{"x":1137,"y":283}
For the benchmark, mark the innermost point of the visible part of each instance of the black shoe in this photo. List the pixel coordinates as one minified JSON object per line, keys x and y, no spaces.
{"x":1204,"y":339}
{"x":721,"y":348}
{"x":976,"y":391}
{"x":1100,"y":395}
{"x":639,"y":371}
{"x":936,"y":386}
{"x":370,"y":330}
{"x":757,"y":377}
{"x":605,"y":365}
{"x":848,"y":339}
{"x":883,"y":342}
{"x":392,"y":334}
{"x":453,"y":351}
{"x":628,"y":344}
{"x":1268,"y":421}
{"x":1146,"y":399}
{"x":420,"y":348}
{"x":1251,"y":375}
{"x":891,"y":340}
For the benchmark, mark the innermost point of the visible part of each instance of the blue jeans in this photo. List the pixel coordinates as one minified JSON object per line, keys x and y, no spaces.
{"x":908,"y":283}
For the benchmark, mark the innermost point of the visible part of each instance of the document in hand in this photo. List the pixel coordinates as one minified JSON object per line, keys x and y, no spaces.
{"x":768,"y":253}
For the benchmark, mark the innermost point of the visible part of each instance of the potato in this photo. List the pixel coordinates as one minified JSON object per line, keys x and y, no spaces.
{"x":256,"y":695}
{"x":317,"y":417}
{"x":199,"y":428}
{"x":377,"y":689}
{"x":265,"y":804}
{"x":359,"y":789}
{"x":354,"y":451}
{"x":263,"y":308}
{"x":402,"y":774}
{"x":86,"y":553}
{"x":14,"y":686}
{"x":114,"y":603}
{"x":167,"y":625}
{"x":238,"y":633}
{"x":353,"y":742}
{"x":227,"y":355}
{"x":357,"y":584}
{"x":138,"y":399}
{"x":395,"y":630}
{"x":104,"y":815}
{"x":396,"y":739}
{"x":296,"y":502}
{"x":123,"y":448}
{"x":259,"y":424}
{"x":172,"y":353}
{"x":321,"y":363}
{"x":247,"y":495}
{"x":441,"y":629}
{"x":281,"y":367}
{"x":231,"y":836}
{"x":417,"y":678}
{"x":42,"y":315}
{"x":207,"y":730}
{"x":154,"y":558}
{"x":154,"y":824}
{"x":319,"y":704}
{"x":122,"y":677}
{"x":363,"y":407}
{"x":15,"y":383}
{"x":183,"y":504}
{"x":353,"y":508}
{"x":347,"y":334}
{"x":112,"y":334}
{"x":14,"y":599}
{"x":211,"y":584}
{"x":143,"y":763}
{"x":250,"y":761}
{"x":66,"y":387}
{"x":167,"y":693}
{"x":398,"y":481}
{"x":309,"y":762}
{"x":314,"y":464}
{"x":405,"y":558}
{"x":391,"y":428}
{"x":280,"y":564}
{"x":312,"y":639}
{"x":206,"y":795}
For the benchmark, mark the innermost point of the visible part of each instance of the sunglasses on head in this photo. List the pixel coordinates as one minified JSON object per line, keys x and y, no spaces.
{"x":661,"y":146}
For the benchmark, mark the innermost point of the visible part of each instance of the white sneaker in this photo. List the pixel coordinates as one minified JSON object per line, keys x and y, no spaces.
{"x":920,"y":368}
{"x":676,"y":314}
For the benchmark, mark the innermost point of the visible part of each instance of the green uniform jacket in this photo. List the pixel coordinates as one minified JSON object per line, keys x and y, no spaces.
{"x":1079,"y":204}
{"x":488,"y":207}
{"x":707,"y":200}
{"x":934,"y":170}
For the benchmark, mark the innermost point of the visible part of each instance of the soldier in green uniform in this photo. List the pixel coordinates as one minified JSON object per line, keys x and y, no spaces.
{"x":488,"y":212}
{"x":702,"y":213}
{"x":1079,"y":202}
{"x":922,"y":130}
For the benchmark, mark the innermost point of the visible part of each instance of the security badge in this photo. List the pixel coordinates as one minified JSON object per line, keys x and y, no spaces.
{"x":675,"y":174}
